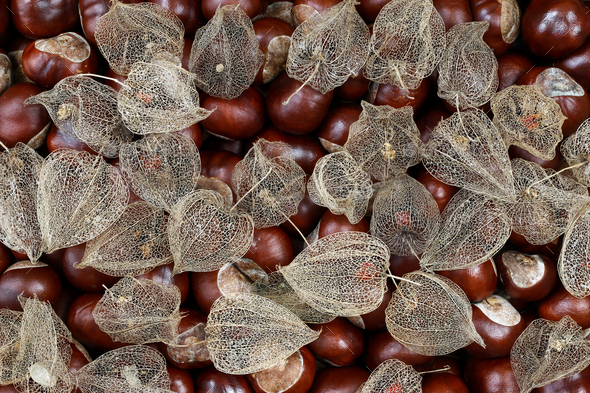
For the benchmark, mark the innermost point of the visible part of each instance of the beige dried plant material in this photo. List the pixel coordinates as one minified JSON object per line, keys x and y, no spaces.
{"x":132,"y":33}
{"x":329,"y":47}
{"x":161,"y":168}
{"x":573,"y":265}
{"x":338,"y":183}
{"x":10,"y":328}
{"x":407,"y":43}
{"x":247,"y":333}
{"x":431,"y":315}
{"x":528,"y":119}
{"x":135,"y":244}
{"x":405,"y":216}
{"x":79,"y":197}
{"x":468,"y":71}
{"x":547,"y":351}
{"x":205,"y":233}
{"x":576,"y":151}
{"x":225,"y":56}
{"x":385,"y":141}
{"x":393,"y":376}
{"x":139,"y":311}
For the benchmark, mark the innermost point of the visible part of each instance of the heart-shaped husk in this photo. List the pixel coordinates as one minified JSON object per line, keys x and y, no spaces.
{"x":576,"y":151}
{"x":10,"y":330}
{"x":393,"y":376}
{"x":573,"y":265}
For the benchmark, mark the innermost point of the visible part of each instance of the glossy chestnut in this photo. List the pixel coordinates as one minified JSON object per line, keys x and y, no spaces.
{"x":441,"y":192}
{"x":271,"y":247}
{"x":251,"y":8}
{"x":192,"y":333}
{"x":163,"y":275}
{"x":88,"y":279}
{"x":560,"y":303}
{"x":44,"y":18}
{"x":188,"y":11}
{"x":443,"y":383}
{"x":333,"y":132}
{"x":478,"y":282}
{"x":307,"y":217}
{"x":490,"y":375}
{"x":387,"y":94}
{"x":57,"y":139}
{"x":214,"y":143}
{"x":63,"y":303}
{"x":369,"y":9}
{"x":446,"y":364}
{"x":453,"y":12}
{"x":220,"y":165}
{"x":331,"y":223}
{"x":339,"y":379}
{"x":526,"y":277}
{"x":181,"y":381}
{"x":340,"y":342}
{"x":292,"y":375}
{"x":578,"y":383}
{"x":117,"y":86}
{"x":521,"y":244}
{"x":210,"y":380}
{"x":511,"y":67}
{"x":194,"y":132}
{"x":303,"y":9}
{"x":28,"y":278}
{"x":504,"y":19}
{"x":517,"y":152}
{"x":272,"y":36}
{"x":575,"y":64}
{"x":91,"y":10}
{"x":401,"y":265}
{"x":381,"y":346}
{"x":353,"y":89}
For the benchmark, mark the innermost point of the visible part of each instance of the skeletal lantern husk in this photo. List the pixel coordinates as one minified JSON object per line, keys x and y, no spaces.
{"x":393,"y":376}
{"x":466,"y":151}
{"x":405,"y":216}
{"x":576,"y":151}
{"x":329,"y":47}
{"x":205,"y":234}
{"x":247,"y":333}
{"x":225,"y":56}
{"x":341,"y":274}
{"x":338,"y":183}
{"x":547,"y":351}
{"x":528,"y":119}
{"x":161,"y":168}
{"x":385,"y":141}
{"x":86,"y":110}
{"x":79,"y":197}
{"x":430,"y":315}
{"x":468,"y":70}
{"x":139,"y":311}
{"x":474,"y":227}
{"x":132,"y":33}
{"x":19,"y":179}
{"x":10,"y":328}
{"x":268,"y":183}
{"x":135,"y":244}
{"x":573,"y":265}
{"x":407,"y":43}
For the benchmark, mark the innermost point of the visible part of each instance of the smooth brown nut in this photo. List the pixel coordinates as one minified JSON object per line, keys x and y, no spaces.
{"x":453,"y":12}
{"x":386,"y":94}
{"x":511,"y":67}
{"x":339,"y":380}
{"x":292,"y":375}
{"x":181,"y":381}
{"x":374,"y":320}
{"x":478,"y":282}
{"x":303,"y":9}
{"x":209,"y":380}
{"x":381,"y":346}
{"x":307,"y":217}
{"x":576,"y":64}
{"x":490,"y":375}
{"x":91,"y":10}
{"x":164,"y":275}
{"x":273,"y":37}
{"x":192,"y":333}
{"x":219,"y":165}
{"x":28,"y":278}
{"x":340,"y":342}
{"x":333,"y":132}
{"x":353,"y":89}
{"x":560,"y":303}
{"x":517,"y":152}
{"x":331,"y":223}
{"x":44,"y":18}
{"x":271,"y":247}
{"x":526,"y":277}
{"x":504,"y":19}
{"x":441,"y":192}
{"x":88,"y":279}
{"x":443,"y":383}
{"x":57,"y":139}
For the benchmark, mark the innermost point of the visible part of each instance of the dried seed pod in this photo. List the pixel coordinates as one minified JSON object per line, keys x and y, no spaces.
{"x":393,"y":376}
{"x":338,"y":183}
{"x":162,"y":168}
{"x":10,"y":328}
{"x":468,"y":71}
{"x":547,"y":351}
{"x":405,"y":216}
{"x":225,"y":56}
{"x":576,"y":151}
{"x":430,"y":315}
{"x":408,"y":42}
{"x":79,"y":197}
{"x":135,"y":244}
{"x":574,"y":260}
{"x":385,"y":141}
{"x":131,"y":33}
{"x":247,"y":333}
{"x":269,"y":183}
{"x":529,"y":119}
{"x":341,"y":274}
{"x":205,"y":234}
{"x":139,"y":311}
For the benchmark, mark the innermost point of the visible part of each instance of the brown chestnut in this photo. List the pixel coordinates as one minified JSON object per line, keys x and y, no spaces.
{"x":252,"y":8}
{"x":578,"y":383}
{"x":340,"y":342}
{"x":191,"y":352}
{"x":44,"y":18}
{"x":219,"y":165}
{"x":307,"y":217}
{"x":28,"y":278}
{"x":271,"y":247}
{"x":443,"y":383}
{"x":504,"y":19}
{"x":453,"y":12}
{"x":353,"y":89}
{"x":57,"y":139}
{"x":369,"y":9}
{"x":292,"y":375}
{"x":381,"y":346}
{"x":387,"y":94}
{"x":401,"y":265}
{"x":331,"y":223}
{"x":490,"y":375}
{"x":4,"y":16}
{"x":478,"y":282}
{"x":549,"y":250}
{"x":560,"y":303}
{"x":333,"y":132}
{"x":518,"y":152}
{"x":181,"y":381}
{"x":441,"y":192}
{"x":188,"y":11}
{"x":526,"y":277}
{"x":576,"y":65}
{"x":194,"y":132}
{"x":164,"y":275}
{"x":87,"y":279}
{"x":209,"y":380}
{"x":446,"y":364}
{"x":218,"y":144}
{"x":273,"y":37}
{"x":303,"y":9}
{"x":339,"y":380}
{"x":511,"y":66}
{"x":91,"y":10}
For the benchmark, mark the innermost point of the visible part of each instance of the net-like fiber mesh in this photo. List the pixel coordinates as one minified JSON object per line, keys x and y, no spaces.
{"x":338,"y":183}
{"x":135,"y":244}
{"x":547,"y":351}
{"x":79,"y":197}
{"x":161,"y":168}
{"x":576,"y":151}
{"x":385,"y":141}
{"x":405,"y":216}
{"x":529,"y":119}
{"x":407,"y":43}
{"x":468,"y":71}
{"x":131,"y":33}
{"x":341,"y":274}
{"x":329,"y":47}
{"x":205,"y":234}
{"x":430,"y":315}
{"x":247,"y":333}
{"x":574,"y":260}
{"x":393,"y":376}
{"x":225,"y":56}
{"x":139,"y":311}
{"x":10,"y":328}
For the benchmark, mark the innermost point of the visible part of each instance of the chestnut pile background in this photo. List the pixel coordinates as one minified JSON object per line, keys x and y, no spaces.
{"x":553,"y":33}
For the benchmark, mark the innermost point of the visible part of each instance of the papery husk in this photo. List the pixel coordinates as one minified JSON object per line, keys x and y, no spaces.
{"x":10,"y":335}
{"x":393,"y":376}
{"x":573,"y":265}
{"x":576,"y":151}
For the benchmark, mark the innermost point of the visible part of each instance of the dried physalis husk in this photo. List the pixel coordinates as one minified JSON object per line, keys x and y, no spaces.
{"x":430,"y":315}
{"x":547,"y":351}
{"x":576,"y":151}
{"x":466,"y":151}
{"x":528,"y":119}
{"x":407,"y":43}
{"x":132,"y":33}
{"x":341,"y":274}
{"x":135,"y":244}
{"x":247,"y":333}
{"x":269,"y":183}
{"x":205,"y":233}
{"x":329,"y":47}
{"x":86,"y":110}
{"x":385,"y":141}
{"x":474,"y":227}
{"x":468,"y":71}
{"x":10,"y":328}
{"x":405,"y":216}
{"x":338,"y":183}
{"x":79,"y":197}
{"x":159,"y":97}
{"x":393,"y":376}
{"x":19,"y":179}
{"x":573,"y":265}
{"x":225,"y":56}
{"x":162,"y":168}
